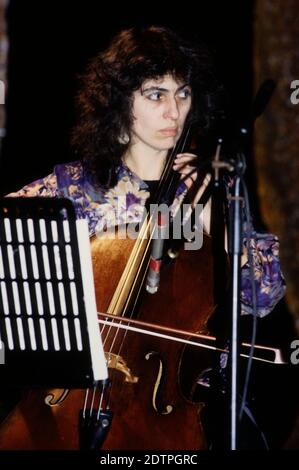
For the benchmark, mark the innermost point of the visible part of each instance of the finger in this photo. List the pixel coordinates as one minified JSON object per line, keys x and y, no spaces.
{"x":187,"y":172}
{"x":185,"y":158}
{"x":183,"y":166}
{"x":190,"y":174}
{"x":187,"y":155}
{"x":187,"y":169}
{"x":188,"y":179}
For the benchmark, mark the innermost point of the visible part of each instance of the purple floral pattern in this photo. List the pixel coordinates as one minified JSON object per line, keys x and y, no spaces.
{"x":268,"y":279}
{"x":125,"y":203}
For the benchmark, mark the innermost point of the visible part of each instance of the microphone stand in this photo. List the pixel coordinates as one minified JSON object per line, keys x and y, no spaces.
{"x":237,"y":165}
{"x":235,"y":231}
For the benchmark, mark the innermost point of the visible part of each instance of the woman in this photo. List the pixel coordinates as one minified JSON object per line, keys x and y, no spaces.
{"x":136,"y":99}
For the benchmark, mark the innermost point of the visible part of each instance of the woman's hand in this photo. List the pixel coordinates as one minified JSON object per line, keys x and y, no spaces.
{"x":184,"y":163}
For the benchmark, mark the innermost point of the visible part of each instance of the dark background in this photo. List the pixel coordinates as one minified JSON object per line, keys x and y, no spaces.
{"x":50,"y":43}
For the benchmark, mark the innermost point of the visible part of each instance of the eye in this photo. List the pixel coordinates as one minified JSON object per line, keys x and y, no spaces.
{"x":185,"y":93}
{"x":154,"y":96}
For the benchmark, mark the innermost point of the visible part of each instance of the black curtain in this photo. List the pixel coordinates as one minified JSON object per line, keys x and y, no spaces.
{"x":50,"y":42}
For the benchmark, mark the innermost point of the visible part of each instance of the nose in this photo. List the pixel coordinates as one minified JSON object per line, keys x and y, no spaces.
{"x":172,"y":109}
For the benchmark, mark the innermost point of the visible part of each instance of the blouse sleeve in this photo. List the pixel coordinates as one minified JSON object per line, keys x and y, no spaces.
{"x":268,"y":278}
{"x":44,"y":187}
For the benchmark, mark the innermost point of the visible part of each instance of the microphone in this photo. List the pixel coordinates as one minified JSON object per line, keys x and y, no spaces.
{"x":153,"y":276}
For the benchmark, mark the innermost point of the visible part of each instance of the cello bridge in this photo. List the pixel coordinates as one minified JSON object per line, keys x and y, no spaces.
{"x":117,"y":362}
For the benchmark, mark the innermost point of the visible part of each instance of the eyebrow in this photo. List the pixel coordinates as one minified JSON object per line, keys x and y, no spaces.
{"x":159,"y":88}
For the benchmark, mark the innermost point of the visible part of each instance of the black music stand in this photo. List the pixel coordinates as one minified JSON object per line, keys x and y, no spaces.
{"x":48,"y":315}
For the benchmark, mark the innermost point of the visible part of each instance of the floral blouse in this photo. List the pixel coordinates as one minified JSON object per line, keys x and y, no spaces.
{"x":125,"y":203}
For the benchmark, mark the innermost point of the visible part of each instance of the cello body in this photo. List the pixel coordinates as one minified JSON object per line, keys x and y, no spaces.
{"x":150,"y":396}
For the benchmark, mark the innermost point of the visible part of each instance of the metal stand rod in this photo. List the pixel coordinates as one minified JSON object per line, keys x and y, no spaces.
{"x":235,"y":251}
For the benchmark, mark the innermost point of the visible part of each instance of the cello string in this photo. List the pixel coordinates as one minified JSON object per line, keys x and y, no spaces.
{"x":163,"y":182}
{"x":122,"y":285}
{"x":124,"y":312}
{"x":92,"y":400}
{"x":182,"y":142}
{"x":123,"y":331}
{"x":126,"y":307}
{"x":101,"y":397}
{"x":146,"y":227}
{"x":169,"y":176}
{"x":129,"y":267}
{"x":100,"y":403}
{"x":173,"y":176}
{"x":85,"y":402}
{"x":128,"y":302}
{"x":135,"y":300}
{"x":167,"y":169}
{"x":109,"y":333}
{"x":166,"y":172}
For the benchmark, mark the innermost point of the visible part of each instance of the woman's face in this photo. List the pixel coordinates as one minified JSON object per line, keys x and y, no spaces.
{"x":160,"y":109}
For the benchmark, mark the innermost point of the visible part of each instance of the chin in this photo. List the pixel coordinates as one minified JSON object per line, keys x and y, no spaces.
{"x":169,"y":147}
{"x":166,"y":144}
{"x":170,"y":142}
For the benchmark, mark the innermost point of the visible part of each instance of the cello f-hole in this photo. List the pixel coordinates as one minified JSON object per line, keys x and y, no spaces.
{"x":169,"y":408}
{"x":52,"y":400}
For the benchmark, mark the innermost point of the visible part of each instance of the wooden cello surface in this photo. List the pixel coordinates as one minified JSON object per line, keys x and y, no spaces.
{"x":149,"y":395}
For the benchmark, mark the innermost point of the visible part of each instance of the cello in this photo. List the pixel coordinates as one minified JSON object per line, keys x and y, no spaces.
{"x":148,"y":402}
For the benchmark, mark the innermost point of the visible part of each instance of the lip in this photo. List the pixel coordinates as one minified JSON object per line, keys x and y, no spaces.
{"x":169,"y":131}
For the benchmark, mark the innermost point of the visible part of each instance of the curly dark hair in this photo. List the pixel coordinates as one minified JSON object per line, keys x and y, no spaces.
{"x":105,"y":100}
